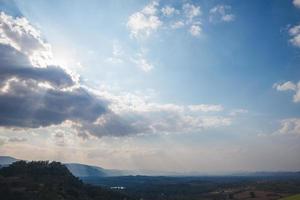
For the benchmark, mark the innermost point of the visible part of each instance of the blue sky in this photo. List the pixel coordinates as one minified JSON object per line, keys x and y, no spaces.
{"x":210,"y":79}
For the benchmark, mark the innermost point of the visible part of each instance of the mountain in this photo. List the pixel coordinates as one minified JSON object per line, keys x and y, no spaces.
{"x":78,"y":170}
{"x":48,"y":181}
{"x":7,"y":160}
{"x":81,"y":170}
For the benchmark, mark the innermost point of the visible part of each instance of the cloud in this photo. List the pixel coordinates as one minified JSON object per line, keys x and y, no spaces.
{"x":141,"y":62}
{"x":191,"y":11}
{"x":150,"y":19}
{"x":289,"y":127}
{"x":169,"y":11}
{"x":147,"y":117}
{"x":17,"y":139}
{"x":195,"y":30}
{"x":32,"y":96}
{"x":285,"y":86}
{"x":295,"y":34}
{"x":221,"y":13}
{"x":18,"y":33}
{"x":144,"y":22}
{"x":42,"y":96}
{"x":14,"y":64}
{"x":26,"y":104}
{"x":205,"y":108}
{"x":177,"y":24}
{"x":289,"y":86}
{"x":296,"y":3}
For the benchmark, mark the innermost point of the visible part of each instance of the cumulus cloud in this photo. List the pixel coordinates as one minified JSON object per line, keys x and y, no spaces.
{"x":285,"y":86}
{"x":153,"y":16}
{"x":295,"y":35}
{"x":195,"y":30}
{"x":145,"y":116}
{"x":168,"y":11}
{"x":32,"y":96}
{"x":144,"y":22}
{"x":290,"y":127}
{"x":18,"y":33}
{"x":27,"y":104}
{"x":296,"y":3}
{"x":221,"y":13}
{"x":41,"y":96}
{"x":289,"y":86}
{"x":191,"y":11}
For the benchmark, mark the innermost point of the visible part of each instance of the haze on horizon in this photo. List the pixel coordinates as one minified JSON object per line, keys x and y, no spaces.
{"x":202,"y":86}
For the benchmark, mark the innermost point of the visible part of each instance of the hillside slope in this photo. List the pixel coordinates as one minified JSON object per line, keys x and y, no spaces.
{"x":48,"y":181}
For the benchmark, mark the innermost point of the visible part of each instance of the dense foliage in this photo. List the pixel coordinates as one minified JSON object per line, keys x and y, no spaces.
{"x":43,"y":180}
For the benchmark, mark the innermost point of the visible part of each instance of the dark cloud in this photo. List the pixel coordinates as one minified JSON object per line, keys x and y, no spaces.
{"x":15,"y":64}
{"x":33,"y":97}
{"x":26,"y":104}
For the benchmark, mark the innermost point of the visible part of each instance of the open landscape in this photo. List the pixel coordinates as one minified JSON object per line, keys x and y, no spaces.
{"x":53,"y":180}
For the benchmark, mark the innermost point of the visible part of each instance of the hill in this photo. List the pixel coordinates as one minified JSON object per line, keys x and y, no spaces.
{"x":7,"y":160}
{"x":48,"y":181}
{"x":78,"y":170}
{"x":81,"y":170}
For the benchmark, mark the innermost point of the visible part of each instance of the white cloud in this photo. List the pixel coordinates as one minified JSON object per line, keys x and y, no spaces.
{"x":290,"y":86}
{"x":20,"y":34}
{"x":144,"y":22}
{"x":191,"y":11}
{"x":206,"y":108}
{"x":195,"y":30}
{"x":295,"y":34}
{"x":168,"y":11}
{"x":290,"y":127}
{"x":221,"y":13}
{"x":228,"y":18}
{"x":177,"y":24}
{"x":296,"y":3}
{"x":148,"y":20}
{"x":149,"y":117}
{"x":151,"y":8}
{"x":285,"y":86}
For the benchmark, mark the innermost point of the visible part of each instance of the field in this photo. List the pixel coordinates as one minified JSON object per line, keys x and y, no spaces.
{"x":294,"y":197}
{"x":206,"y":188}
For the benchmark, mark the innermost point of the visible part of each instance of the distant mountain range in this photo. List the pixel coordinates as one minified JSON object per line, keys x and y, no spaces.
{"x":48,"y":181}
{"x":79,"y":170}
{"x":82,"y":170}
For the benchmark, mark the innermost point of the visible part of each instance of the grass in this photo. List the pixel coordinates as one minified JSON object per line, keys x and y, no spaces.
{"x":294,"y":197}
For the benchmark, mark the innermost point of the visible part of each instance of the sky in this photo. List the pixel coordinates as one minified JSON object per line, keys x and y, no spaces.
{"x":203,"y":86}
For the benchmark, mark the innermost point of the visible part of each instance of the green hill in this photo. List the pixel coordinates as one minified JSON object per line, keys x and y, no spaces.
{"x":43,"y":180}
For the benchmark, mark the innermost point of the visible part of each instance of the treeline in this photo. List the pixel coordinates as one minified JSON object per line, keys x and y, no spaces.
{"x":43,"y":180}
